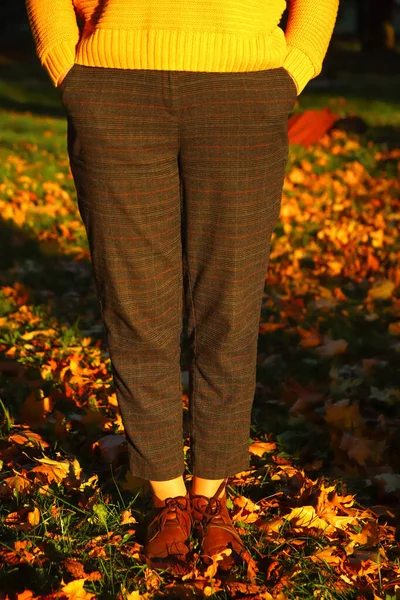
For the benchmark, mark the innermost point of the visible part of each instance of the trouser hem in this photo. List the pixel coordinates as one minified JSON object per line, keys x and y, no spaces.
{"x":143,"y":470}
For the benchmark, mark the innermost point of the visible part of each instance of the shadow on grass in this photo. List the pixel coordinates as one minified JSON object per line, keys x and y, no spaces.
{"x":62,"y":283}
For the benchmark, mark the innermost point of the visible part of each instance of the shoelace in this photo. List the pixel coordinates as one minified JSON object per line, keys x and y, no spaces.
{"x":213,"y":509}
{"x":173,"y":503}
{"x":210,"y":510}
{"x":213,"y":506}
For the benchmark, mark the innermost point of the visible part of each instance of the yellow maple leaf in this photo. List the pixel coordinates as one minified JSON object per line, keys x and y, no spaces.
{"x":381,"y":290}
{"x":326,"y":555}
{"x":57,"y":470}
{"x":29,"y":335}
{"x":305,"y":516}
{"x":75,"y":590}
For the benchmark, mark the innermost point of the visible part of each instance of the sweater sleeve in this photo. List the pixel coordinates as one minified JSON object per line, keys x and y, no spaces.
{"x":308,"y":33}
{"x":55,"y":33}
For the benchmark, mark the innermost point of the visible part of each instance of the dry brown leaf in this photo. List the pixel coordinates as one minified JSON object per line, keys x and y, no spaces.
{"x":29,"y":439}
{"x":331,"y":348}
{"x":111,"y":446}
{"x":310,"y":338}
{"x":16,"y":482}
{"x":361,"y":449}
{"x":75,"y":567}
{"x":343,"y":415}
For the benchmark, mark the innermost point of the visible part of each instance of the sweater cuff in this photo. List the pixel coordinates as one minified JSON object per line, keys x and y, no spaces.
{"x":58,"y":59}
{"x":299,"y":66}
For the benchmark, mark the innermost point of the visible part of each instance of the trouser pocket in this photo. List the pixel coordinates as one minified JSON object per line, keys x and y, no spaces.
{"x":290,"y":82}
{"x":65,"y":82}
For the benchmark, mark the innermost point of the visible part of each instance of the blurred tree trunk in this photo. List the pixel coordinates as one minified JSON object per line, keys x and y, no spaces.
{"x":375,"y":24}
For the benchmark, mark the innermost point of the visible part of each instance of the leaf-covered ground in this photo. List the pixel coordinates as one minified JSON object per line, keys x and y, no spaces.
{"x":319,"y":507}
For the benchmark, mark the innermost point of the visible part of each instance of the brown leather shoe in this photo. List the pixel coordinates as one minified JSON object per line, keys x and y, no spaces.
{"x":215,"y":528}
{"x":167,"y":542}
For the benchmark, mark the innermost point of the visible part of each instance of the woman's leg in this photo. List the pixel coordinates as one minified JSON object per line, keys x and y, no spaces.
{"x":123,"y":144}
{"x":233,"y":154}
{"x":206,"y":487}
{"x":169,"y":488}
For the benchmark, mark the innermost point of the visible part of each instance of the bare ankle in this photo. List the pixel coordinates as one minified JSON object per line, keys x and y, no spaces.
{"x":206,"y":487}
{"x":169,"y":488}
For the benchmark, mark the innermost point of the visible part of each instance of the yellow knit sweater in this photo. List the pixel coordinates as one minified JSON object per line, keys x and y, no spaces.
{"x":183,"y":35}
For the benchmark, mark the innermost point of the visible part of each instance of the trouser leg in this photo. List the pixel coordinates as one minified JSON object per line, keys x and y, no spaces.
{"x":234,"y":149}
{"x":123,"y":146}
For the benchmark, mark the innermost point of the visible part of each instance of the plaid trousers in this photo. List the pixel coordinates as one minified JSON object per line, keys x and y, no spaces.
{"x":179,"y":180}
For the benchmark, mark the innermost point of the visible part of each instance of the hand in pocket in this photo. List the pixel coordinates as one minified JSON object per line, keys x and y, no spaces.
{"x":293,"y":81}
{"x":63,"y":75}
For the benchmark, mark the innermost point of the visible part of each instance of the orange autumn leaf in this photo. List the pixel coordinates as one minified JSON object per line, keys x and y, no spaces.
{"x":265,"y":327}
{"x":23,"y":519}
{"x":16,"y":483}
{"x":28,"y":438}
{"x":34,"y":517}
{"x":26,"y":595}
{"x":335,"y":267}
{"x":22,"y":552}
{"x":381,"y":290}
{"x":212,"y":568}
{"x":369,"y":535}
{"x":326,"y":555}
{"x":310,"y":125}
{"x":248,"y":510}
{"x":57,"y":470}
{"x":136,"y":595}
{"x":259,"y":448}
{"x":35,"y":408}
{"x":112,"y":399}
{"x":343,"y":415}
{"x":31,"y":334}
{"x":309,"y":339}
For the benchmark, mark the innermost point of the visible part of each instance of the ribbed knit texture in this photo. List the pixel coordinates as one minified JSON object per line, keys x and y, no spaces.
{"x":183,"y":35}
